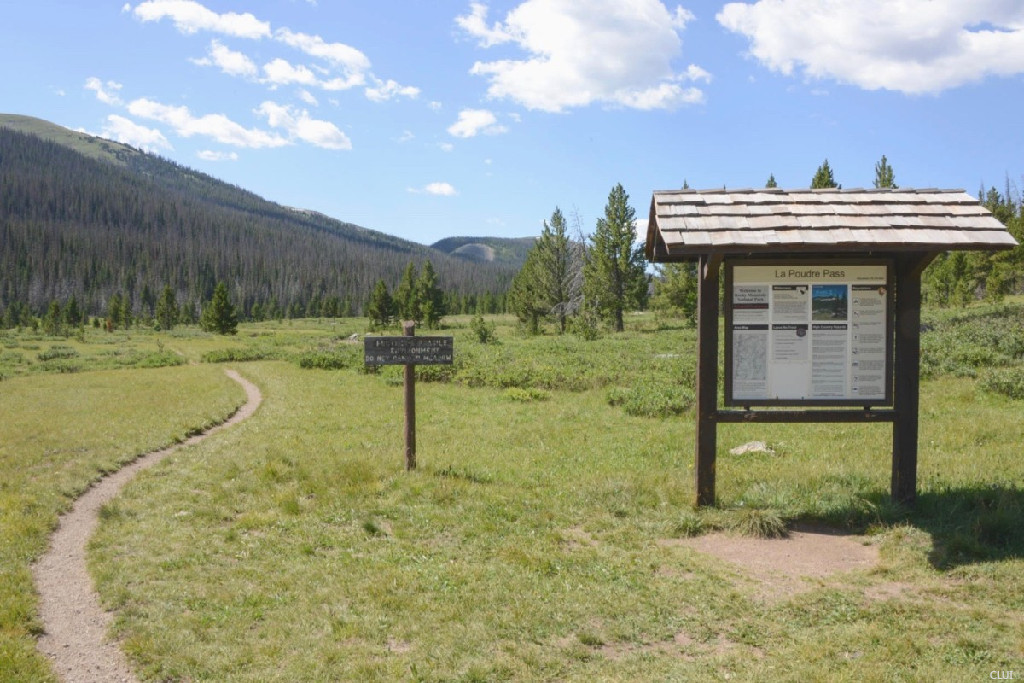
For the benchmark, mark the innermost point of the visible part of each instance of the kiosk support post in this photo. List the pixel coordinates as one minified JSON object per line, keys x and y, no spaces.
{"x":707,"y":379}
{"x":906,"y":392}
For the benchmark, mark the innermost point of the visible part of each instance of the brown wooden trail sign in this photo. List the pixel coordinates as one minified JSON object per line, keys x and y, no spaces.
{"x":823,"y":304}
{"x":410,"y":351}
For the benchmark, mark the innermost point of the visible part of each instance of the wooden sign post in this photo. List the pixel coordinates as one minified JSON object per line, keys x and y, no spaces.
{"x":410,"y":351}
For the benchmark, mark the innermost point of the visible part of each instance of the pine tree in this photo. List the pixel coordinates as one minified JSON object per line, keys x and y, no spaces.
{"x":615,"y":277}
{"x":771,"y":184}
{"x":126,"y":312}
{"x":429,"y":296}
{"x":406,"y":305}
{"x":557,"y":280}
{"x":884,"y":175}
{"x":72,"y":314}
{"x":524,"y":295}
{"x":219,"y":314}
{"x":167,"y":309}
{"x":676,"y":290}
{"x":53,"y":322}
{"x":114,"y":312}
{"x":823,"y":178}
{"x":380,"y":309}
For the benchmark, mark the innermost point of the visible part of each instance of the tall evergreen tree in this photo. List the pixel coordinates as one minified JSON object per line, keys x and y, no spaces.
{"x":771,"y":182}
{"x":167,"y":309}
{"x":555,"y":263}
{"x":219,"y":314}
{"x":53,"y":321}
{"x":126,"y":312}
{"x":73,"y":316}
{"x":676,"y":289}
{"x":823,"y":178}
{"x":429,"y":296}
{"x":406,"y":304}
{"x":524,"y":296}
{"x":380,"y":309}
{"x":615,"y":277}
{"x":885,"y":178}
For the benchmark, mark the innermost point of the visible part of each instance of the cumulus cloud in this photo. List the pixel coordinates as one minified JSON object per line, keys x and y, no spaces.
{"x":282,"y":72}
{"x":382,"y":91}
{"x":105,"y":92}
{"x":215,"y":126}
{"x":228,"y":61}
{"x":912,"y":46}
{"x":120,"y":129}
{"x":436,"y":189}
{"x":191,"y":17}
{"x":345,"y":57}
{"x":473,"y":122}
{"x":308,"y":98}
{"x":300,"y":125}
{"x":210,"y":155}
{"x":613,"y":52}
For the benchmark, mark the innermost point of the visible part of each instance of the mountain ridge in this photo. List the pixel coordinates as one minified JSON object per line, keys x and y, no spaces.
{"x":113,"y":219}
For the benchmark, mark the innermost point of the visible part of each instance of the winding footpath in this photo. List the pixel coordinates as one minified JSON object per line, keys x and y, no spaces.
{"x":75,"y":625}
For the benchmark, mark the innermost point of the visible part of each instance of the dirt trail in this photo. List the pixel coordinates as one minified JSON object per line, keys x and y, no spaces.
{"x":75,"y":625}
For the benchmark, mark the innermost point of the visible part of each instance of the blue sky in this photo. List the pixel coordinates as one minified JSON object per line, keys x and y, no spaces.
{"x":434,"y":118}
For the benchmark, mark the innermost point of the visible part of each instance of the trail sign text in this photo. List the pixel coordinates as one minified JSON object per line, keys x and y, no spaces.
{"x":408,"y":350}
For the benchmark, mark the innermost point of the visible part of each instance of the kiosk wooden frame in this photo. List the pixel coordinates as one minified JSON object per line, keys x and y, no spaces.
{"x":907,"y":228}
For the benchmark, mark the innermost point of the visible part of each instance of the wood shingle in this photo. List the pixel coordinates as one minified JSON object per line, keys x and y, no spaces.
{"x":686,"y":223}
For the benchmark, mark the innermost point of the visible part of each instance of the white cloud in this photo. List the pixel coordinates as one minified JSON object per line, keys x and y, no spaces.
{"x":435,"y":106}
{"x":105,"y":92}
{"x":210,"y":155}
{"x":446,"y":146}
{"x":215,"y":126}
{"x":614,"y":52}
{"x":912,"y":46}
{"x":308,"y":98}
{"x":299,"y":125}
{"x":406,"y":136}
{"x":388,"y":90}
{"x":353,"y":63}
{"x":473,"y":122}
{"x":475,"y":24}
{"x":228,"y":61}
{"x":281,"y":72}
{"x":436,"y":189}
{"x":120,"y":129}
{"x":189,"y":17}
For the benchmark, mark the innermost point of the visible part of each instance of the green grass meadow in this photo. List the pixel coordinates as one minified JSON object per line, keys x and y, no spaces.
{"x":539,"y":537}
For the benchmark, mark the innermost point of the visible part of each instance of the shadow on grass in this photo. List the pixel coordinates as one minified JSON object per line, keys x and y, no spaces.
{"x":967,"y":525}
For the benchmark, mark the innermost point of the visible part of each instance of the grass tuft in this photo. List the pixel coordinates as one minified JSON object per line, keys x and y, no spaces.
{"x":758,"y":523}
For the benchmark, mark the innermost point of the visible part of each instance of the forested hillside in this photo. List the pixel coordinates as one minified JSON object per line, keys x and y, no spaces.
{"x":121,"y":222}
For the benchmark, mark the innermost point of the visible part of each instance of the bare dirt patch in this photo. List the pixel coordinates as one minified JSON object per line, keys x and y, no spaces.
{"x":782,"y":567}
{"x":75,"y":625}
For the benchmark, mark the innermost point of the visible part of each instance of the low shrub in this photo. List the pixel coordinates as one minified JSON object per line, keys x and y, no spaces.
{"x":238,"y":354}
{"x":527,"y":395}
{"x":160,"y":359}
{"x":1005,"y":381}
{"x":653,"y":399}
{"x":57,"y":352}
{"x":337,"y":359}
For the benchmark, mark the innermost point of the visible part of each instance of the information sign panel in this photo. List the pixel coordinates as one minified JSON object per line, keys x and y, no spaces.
{"x":808,"y":332}
{"x":408,"y":350}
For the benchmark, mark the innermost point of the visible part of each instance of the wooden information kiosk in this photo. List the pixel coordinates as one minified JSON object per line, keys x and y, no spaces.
{"x":822,"y":304}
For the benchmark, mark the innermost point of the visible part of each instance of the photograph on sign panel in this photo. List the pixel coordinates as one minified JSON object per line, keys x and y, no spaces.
{"x":828,"y":302}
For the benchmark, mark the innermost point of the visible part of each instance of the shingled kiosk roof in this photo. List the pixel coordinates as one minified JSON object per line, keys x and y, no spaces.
{"x":687,"y":223}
